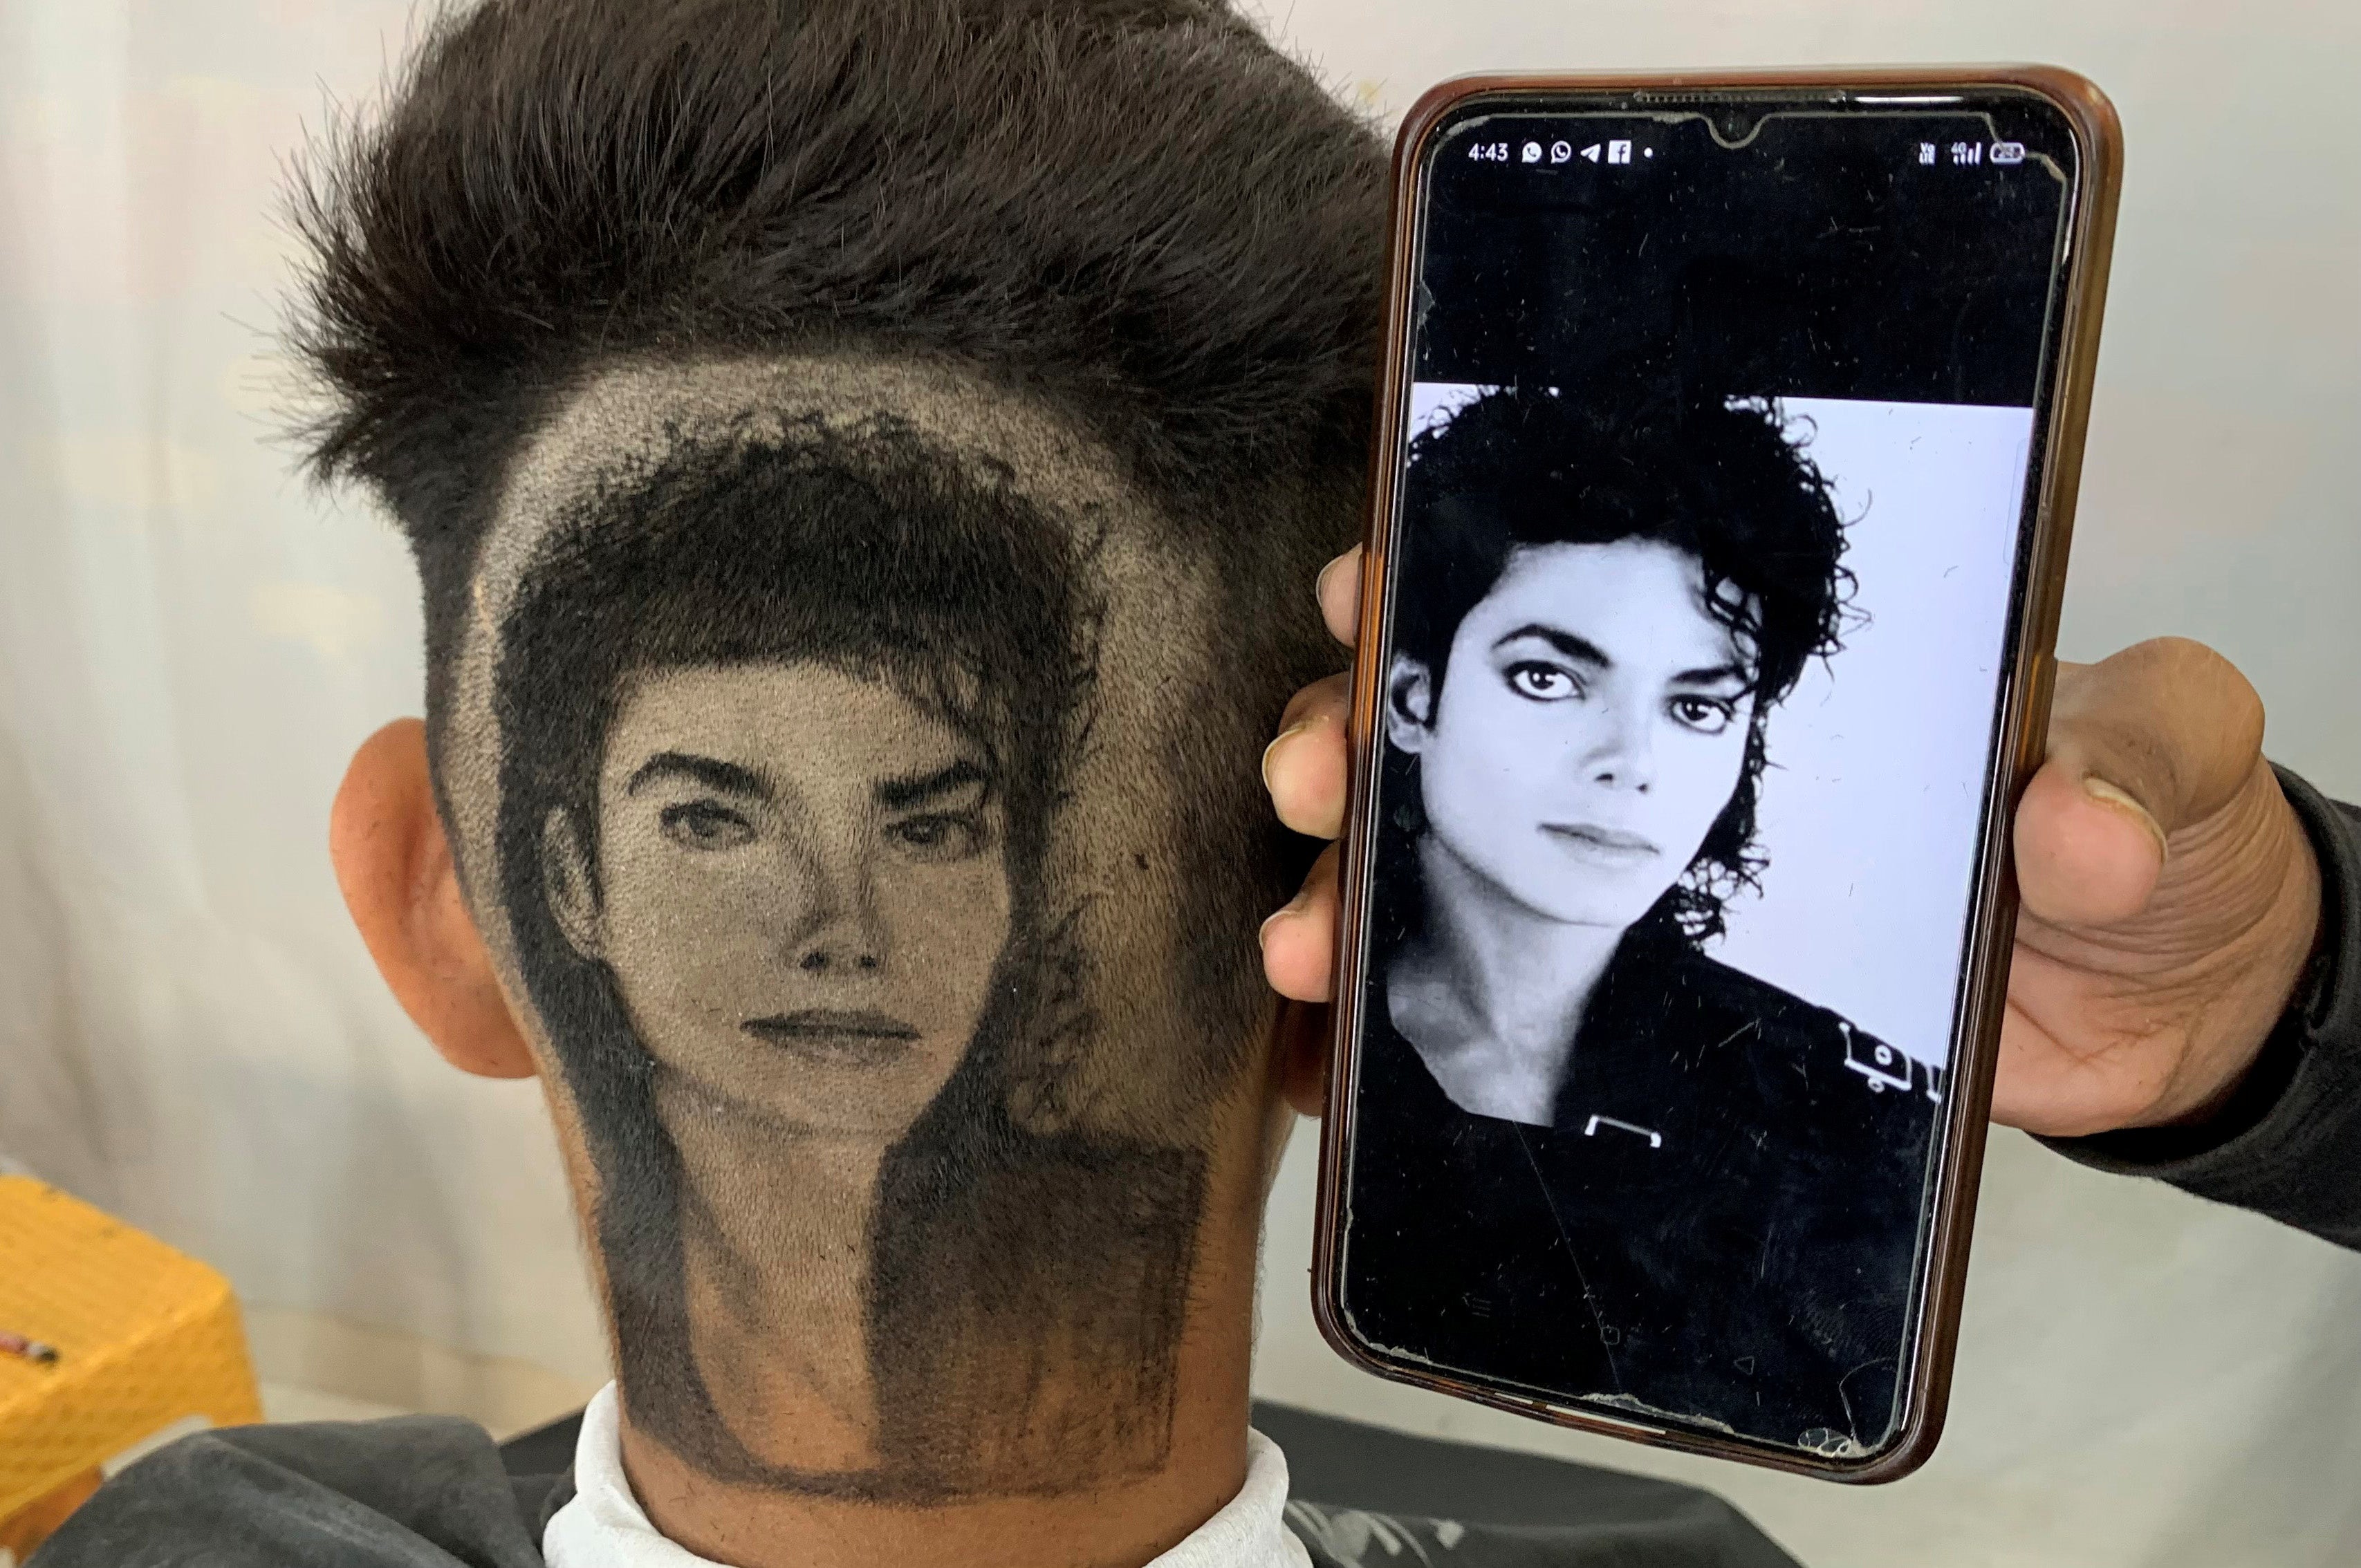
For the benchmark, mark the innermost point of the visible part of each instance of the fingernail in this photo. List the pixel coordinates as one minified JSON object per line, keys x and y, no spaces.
{"x":1302,"y":896}
{"x":2120,"y":799}
{"x":1320,"y":588}
{"x":1284,"y":736}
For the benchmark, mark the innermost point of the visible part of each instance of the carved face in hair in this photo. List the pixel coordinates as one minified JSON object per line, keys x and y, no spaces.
{"x":801,"y":889}
{"x":863,"y":779}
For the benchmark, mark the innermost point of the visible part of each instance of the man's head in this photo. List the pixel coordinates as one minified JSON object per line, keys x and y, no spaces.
{"x":1608,"y":592}
{"x":864,"y":462}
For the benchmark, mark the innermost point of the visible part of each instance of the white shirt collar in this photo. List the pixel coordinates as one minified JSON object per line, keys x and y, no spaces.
{"x":603,"y":1525}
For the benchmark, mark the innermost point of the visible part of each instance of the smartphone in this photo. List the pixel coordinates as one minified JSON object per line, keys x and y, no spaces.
{"x":1725,"y":464}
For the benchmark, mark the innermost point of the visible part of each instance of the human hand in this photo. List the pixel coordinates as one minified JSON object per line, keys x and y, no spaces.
{"x":2170,"y":896}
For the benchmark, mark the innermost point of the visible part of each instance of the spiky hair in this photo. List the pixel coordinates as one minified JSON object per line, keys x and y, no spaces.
{"x":1135,"y":209}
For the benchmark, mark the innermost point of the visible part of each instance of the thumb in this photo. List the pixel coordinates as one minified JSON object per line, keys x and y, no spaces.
{"x":2155,"y":739}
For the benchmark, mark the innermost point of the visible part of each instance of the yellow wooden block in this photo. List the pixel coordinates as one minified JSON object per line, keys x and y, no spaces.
{"x":144,"y":1337}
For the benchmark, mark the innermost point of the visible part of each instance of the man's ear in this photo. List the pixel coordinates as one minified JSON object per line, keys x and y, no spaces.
{"x":566,"y":882}
{"x":1303,"y":1046}
{"x":1409,"y":703}
{"x":393,"y":865}
{"x":1299,"y":1069}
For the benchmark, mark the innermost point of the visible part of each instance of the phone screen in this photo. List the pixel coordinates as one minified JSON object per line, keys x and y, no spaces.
{"x":1709,"y":546}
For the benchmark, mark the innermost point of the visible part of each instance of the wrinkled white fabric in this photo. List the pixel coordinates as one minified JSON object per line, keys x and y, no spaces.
{"x":604,"y":1526}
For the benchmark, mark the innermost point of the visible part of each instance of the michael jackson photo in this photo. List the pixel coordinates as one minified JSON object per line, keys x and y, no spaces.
{"x":1620,"y":1165}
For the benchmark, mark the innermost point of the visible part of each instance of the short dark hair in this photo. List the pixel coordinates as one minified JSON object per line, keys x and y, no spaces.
{"x":1718,"y":476}
{"x":1134,"y":209}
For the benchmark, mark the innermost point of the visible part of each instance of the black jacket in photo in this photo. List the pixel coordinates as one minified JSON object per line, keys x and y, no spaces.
{"x":1719,"y":1224}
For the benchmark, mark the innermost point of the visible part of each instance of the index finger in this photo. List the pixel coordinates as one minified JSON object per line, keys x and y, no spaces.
{"x":1339,"y":592}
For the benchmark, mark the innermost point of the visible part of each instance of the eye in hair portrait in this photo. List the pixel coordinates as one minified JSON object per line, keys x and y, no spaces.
{"x":1601,"y":1146}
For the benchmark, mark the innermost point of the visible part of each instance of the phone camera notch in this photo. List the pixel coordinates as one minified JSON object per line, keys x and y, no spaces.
{"x":1734,"y":125}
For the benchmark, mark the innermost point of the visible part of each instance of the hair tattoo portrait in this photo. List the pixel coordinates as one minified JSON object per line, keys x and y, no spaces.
{"x":865,"y":552}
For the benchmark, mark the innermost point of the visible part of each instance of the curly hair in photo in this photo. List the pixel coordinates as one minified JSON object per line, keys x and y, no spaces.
{"x":1715,"y":477}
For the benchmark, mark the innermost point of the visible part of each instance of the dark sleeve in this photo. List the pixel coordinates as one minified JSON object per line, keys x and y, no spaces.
{"x":1392,"y":1500}
{"x":408,"y":1491}
{"x":2289,"y":1144}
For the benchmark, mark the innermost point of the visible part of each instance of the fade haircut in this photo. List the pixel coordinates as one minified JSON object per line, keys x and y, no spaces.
{"x":1135,"y":209}
{"x":1130,"y":218}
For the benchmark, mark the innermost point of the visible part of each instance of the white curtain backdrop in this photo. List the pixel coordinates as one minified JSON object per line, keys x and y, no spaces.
{"x":191,"y":644}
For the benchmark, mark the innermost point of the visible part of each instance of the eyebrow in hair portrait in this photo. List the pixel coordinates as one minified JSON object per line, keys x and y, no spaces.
{"x":773,"y":825}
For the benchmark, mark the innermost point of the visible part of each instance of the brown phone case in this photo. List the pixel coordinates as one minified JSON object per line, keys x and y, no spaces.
{"x":1926,"y":1388}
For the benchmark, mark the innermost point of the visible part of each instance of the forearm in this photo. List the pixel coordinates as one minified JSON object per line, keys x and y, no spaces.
{"x":2287,"y":1143}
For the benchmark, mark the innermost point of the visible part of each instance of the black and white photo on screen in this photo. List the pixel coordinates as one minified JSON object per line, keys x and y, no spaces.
{"x":1686,"y":724}
{"x":1868,"y":805}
